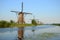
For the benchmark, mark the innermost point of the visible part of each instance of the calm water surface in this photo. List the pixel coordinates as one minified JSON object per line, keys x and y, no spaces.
{"x":43,"y":32}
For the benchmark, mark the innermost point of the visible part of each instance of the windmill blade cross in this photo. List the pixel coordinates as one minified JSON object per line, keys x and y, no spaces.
{"x":27,"y":13}
{"x":15,"y":11}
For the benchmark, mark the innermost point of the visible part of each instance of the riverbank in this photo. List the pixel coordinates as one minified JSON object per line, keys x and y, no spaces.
{"x":11,"y":25}
{"x":6,"y":24}
{"x":52,"y":24}
{"x":21,"y":25}
{"x":56,"y":24}
{"x":16,"y":25}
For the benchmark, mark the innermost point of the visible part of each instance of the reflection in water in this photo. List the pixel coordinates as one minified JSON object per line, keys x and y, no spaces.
{"x":20,"y":33}
{"x":47,"y":32}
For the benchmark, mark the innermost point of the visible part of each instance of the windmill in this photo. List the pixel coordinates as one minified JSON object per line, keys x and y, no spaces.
{"x":21,"y":15}
{"x":21,"y":21}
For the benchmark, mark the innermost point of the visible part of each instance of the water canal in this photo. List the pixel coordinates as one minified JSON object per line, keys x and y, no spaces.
{"x":43,"y":32}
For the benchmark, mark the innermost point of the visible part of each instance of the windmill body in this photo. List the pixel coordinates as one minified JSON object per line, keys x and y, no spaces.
{"x":20,"y":18}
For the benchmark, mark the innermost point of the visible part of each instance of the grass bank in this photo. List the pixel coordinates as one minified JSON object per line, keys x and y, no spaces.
{"x":21,"y":25}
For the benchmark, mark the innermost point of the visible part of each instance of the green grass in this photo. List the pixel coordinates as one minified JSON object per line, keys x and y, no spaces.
{"x":22,"y":25}
{"x":16,"y":25}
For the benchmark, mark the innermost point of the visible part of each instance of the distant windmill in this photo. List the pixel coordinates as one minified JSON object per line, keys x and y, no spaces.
{"x":21,"y":21}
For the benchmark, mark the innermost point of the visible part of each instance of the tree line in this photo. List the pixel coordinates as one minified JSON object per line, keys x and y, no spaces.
{"x":4,"y":24}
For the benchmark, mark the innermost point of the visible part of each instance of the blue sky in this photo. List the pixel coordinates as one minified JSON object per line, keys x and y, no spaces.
{"x":47,"y":11}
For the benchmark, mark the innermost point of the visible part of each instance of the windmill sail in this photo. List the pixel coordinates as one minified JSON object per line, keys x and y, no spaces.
{"x":22,"y":7}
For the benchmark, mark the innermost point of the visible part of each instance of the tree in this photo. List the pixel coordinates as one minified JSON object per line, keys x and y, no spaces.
{"x":4,"y":24}
{"x":11,"y":21}
{"x":34,"y":22}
